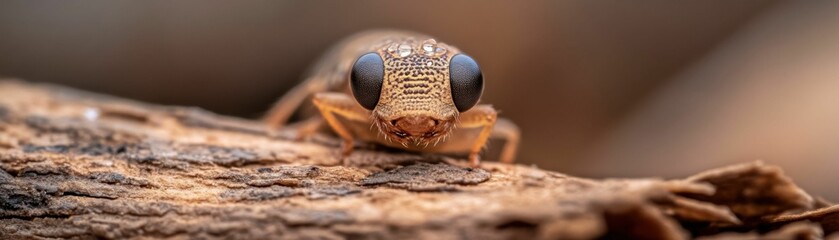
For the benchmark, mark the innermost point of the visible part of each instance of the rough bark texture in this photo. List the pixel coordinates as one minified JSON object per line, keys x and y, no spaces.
{"x":82,"y":165}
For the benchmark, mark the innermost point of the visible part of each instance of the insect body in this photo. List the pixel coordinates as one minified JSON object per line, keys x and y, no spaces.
{"x":399,"y":89}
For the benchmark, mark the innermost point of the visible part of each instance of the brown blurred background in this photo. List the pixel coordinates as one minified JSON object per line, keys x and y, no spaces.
{"x":600,"y":88}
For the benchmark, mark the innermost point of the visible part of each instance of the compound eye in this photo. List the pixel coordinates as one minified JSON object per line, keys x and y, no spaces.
{"x":366,"y":79}
{"x":467,"y":82}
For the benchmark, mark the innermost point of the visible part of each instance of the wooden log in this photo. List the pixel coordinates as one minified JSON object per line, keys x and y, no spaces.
{"x":81,"y":165}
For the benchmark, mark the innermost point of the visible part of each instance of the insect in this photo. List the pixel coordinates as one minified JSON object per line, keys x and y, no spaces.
{"x":400,"y":89}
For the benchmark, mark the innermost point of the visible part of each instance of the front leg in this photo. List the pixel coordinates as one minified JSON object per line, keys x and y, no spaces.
{"x":331,"y":104}
{"x":481,"y":116}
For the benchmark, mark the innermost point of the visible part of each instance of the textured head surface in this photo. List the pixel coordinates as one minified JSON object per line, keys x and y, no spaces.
{"x":416,"y":106}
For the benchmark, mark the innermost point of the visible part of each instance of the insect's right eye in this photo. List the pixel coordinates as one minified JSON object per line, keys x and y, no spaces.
{"x":366,"y":79}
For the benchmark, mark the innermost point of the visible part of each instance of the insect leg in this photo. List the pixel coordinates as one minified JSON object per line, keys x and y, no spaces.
{"x":278,"y":116}
{"x":331,"y":104}
{"x":509,"y":132}
{"x":306,"y":128}
{"x":483,"y":116}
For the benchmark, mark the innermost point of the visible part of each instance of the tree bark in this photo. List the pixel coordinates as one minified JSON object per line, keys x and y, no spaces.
{"x":82,"y":165}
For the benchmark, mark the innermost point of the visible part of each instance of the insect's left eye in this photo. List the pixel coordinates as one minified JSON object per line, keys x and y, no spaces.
{"x":466,"y":80}
{"x":366,"y":79}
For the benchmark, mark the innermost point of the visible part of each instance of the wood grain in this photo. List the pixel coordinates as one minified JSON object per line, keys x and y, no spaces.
{"x":81,"y":165}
